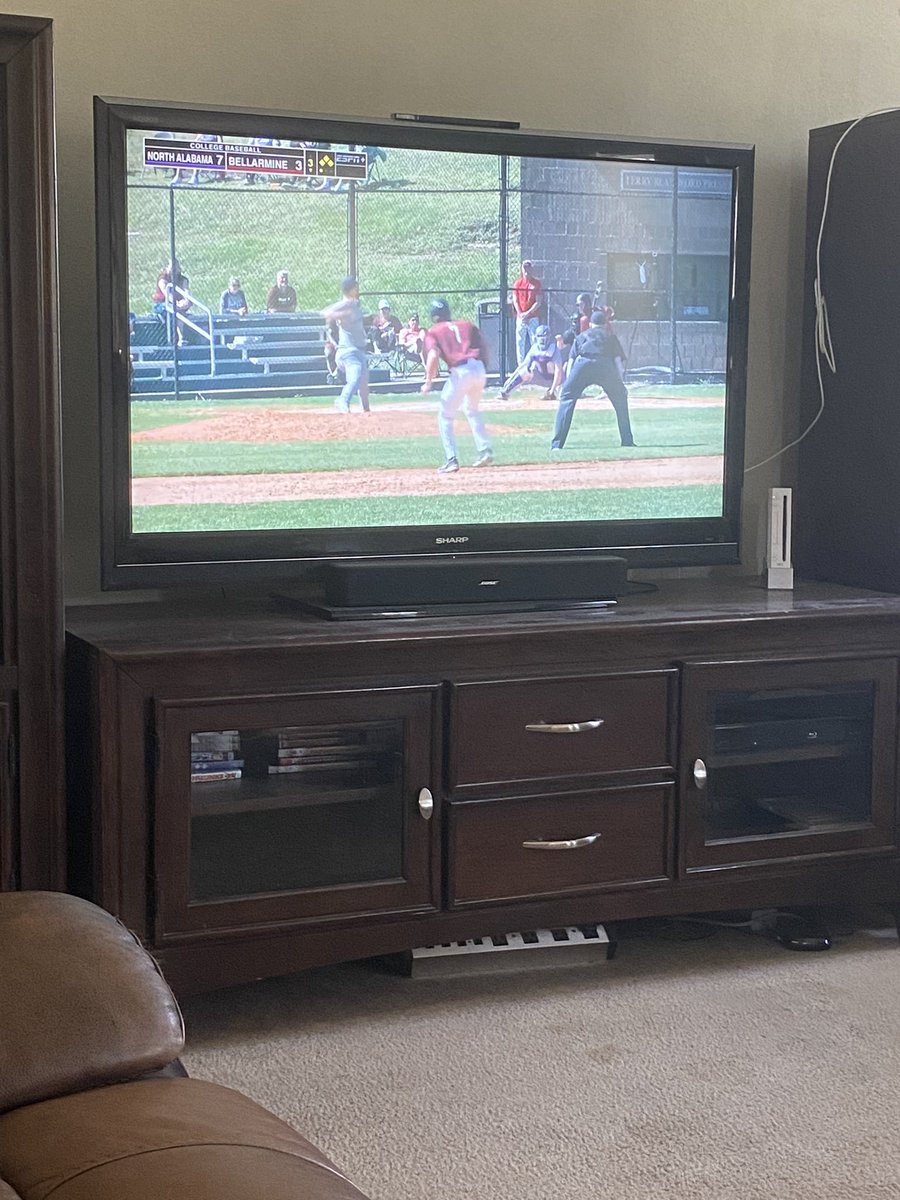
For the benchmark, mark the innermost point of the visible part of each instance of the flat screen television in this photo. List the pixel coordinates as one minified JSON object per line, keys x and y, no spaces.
{"x":276,"y":292}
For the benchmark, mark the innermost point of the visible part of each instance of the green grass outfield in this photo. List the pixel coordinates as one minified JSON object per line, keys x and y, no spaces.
{"x":596,"y":504}
{"x":523,"y":439}
{"x":660,"y":433}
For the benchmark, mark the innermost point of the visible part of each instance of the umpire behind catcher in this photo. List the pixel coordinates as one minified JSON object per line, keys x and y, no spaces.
{"x":597,"y":357}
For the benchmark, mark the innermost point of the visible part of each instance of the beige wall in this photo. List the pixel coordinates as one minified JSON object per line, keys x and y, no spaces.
{"x":725,"y":70}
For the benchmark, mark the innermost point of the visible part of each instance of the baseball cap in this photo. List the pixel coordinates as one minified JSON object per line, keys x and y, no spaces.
{"x":526,"y":262}
{"x":383,"y":303}
{"x":542,"y":331}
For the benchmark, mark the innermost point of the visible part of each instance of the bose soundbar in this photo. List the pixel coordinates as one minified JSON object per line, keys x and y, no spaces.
{"x":525,"y":582}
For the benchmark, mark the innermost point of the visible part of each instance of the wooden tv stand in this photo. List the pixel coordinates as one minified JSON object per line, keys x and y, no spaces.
{"x":711,"y":746}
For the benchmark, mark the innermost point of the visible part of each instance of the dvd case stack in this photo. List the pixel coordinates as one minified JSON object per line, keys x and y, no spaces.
{"x":296,"y":750}
{"x":215,"y":756}
{"x":321,"y":757}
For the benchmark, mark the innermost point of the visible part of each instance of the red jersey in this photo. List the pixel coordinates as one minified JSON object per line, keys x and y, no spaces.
{"x":455,"y":341}
{"x":584,"y":323}
{"x":525,"y":292}
{"x":165,"y":282}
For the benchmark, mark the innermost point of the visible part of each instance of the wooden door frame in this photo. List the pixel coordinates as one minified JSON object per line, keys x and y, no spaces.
{"x":30,"y":465}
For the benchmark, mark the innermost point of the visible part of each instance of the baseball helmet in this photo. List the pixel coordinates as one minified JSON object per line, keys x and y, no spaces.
{"x":542,"y":335}
{"x":583,"y":298}
{"x":440,"y":309}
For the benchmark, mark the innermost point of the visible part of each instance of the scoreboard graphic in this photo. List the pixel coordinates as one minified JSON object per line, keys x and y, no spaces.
{"x":245,"y":158}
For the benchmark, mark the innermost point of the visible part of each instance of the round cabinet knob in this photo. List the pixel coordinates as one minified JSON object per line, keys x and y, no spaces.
{"x":700,"y":774}
{"x":426,"y":803}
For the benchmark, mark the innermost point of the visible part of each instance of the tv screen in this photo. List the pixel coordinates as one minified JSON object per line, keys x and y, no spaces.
{"x":329,"y":338}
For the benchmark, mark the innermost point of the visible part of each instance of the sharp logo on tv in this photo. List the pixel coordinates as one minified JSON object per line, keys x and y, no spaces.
{"x":343,"y":341}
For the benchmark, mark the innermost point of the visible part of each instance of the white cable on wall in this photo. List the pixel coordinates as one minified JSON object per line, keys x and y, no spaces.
{"x":824,"y":345}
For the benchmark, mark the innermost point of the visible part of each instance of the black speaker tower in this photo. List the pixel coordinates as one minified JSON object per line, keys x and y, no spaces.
{"x":847,"y":503}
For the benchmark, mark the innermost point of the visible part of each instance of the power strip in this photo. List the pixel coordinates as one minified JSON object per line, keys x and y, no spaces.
{"x":511,"y":951}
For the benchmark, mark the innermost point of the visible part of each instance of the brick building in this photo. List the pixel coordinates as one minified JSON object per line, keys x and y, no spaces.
{"x":622,"y":226}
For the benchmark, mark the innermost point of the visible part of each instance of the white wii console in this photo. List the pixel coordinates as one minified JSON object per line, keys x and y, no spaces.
{"x":779,"y":571}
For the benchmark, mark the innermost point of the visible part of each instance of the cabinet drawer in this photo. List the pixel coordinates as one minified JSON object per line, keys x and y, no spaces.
{"x":555,"y":728}
{"x":620,"y":837}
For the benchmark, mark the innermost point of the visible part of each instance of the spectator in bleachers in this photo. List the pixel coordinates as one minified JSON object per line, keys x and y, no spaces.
{"x":261,"y":143}
{"x":170,"y":295}
{"x":374,"y":155}
{"x":170,"y":286}
{"x":331,"y":345}
{"x":294,"y":181}
{"x":165,"y":135}
{"x":192,"y":177}
{"x":385,"y":327}
{"x":281,"y":298}
{"x":411,"y":338}
{"x":233,"y":302}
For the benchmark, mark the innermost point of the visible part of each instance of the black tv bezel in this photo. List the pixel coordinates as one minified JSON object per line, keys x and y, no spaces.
{"x":131,"y":560}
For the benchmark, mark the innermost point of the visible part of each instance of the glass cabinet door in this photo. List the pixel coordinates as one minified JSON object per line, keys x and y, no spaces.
{"x":313,"y":806}
{"x":786,"y":759}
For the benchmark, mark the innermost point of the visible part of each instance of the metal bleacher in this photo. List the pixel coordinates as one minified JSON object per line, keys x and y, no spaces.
{"x":258,"y":354}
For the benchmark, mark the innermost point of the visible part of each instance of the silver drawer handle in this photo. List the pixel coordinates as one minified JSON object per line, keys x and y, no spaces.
{"x":567,"y":844}
{"x":574,"y":727}
{"x":700,"y":774}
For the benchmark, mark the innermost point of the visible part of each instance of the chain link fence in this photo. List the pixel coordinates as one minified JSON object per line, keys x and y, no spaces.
{"x":421,"y":226}
{"x":456,"y":226}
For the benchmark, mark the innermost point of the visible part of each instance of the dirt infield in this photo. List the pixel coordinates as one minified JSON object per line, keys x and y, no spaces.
{"x":413,"y":419}
{"x":330,"y":485}
{"x":267,"y":426}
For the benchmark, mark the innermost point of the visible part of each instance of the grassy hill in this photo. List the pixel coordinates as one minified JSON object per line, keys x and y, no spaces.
{"x":428,"y":225}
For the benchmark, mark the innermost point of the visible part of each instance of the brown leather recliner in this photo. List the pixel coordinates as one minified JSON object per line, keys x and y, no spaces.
{"x":87,"y":1025}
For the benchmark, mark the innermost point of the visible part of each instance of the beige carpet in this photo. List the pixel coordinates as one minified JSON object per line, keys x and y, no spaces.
{"x":725,"y":1067}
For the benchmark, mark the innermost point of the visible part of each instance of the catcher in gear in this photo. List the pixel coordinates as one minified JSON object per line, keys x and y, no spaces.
{"x":543,"y":365}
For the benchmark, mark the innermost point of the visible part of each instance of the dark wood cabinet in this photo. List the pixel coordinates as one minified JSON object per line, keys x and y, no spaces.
{"x":267,"y":792}
{"x":524,"y":847}
{"x":787,"y":760}
{"x":559,"y":728}
{"x":32,"y":830}
{"x":323,"y":806}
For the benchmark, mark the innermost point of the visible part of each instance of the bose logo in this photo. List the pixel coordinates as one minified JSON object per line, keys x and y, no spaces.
{"x":449,"y":541}
{"x":489,"y":582}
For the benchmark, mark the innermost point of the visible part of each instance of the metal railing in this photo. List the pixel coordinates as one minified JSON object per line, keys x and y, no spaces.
{"x":207,"y":333}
